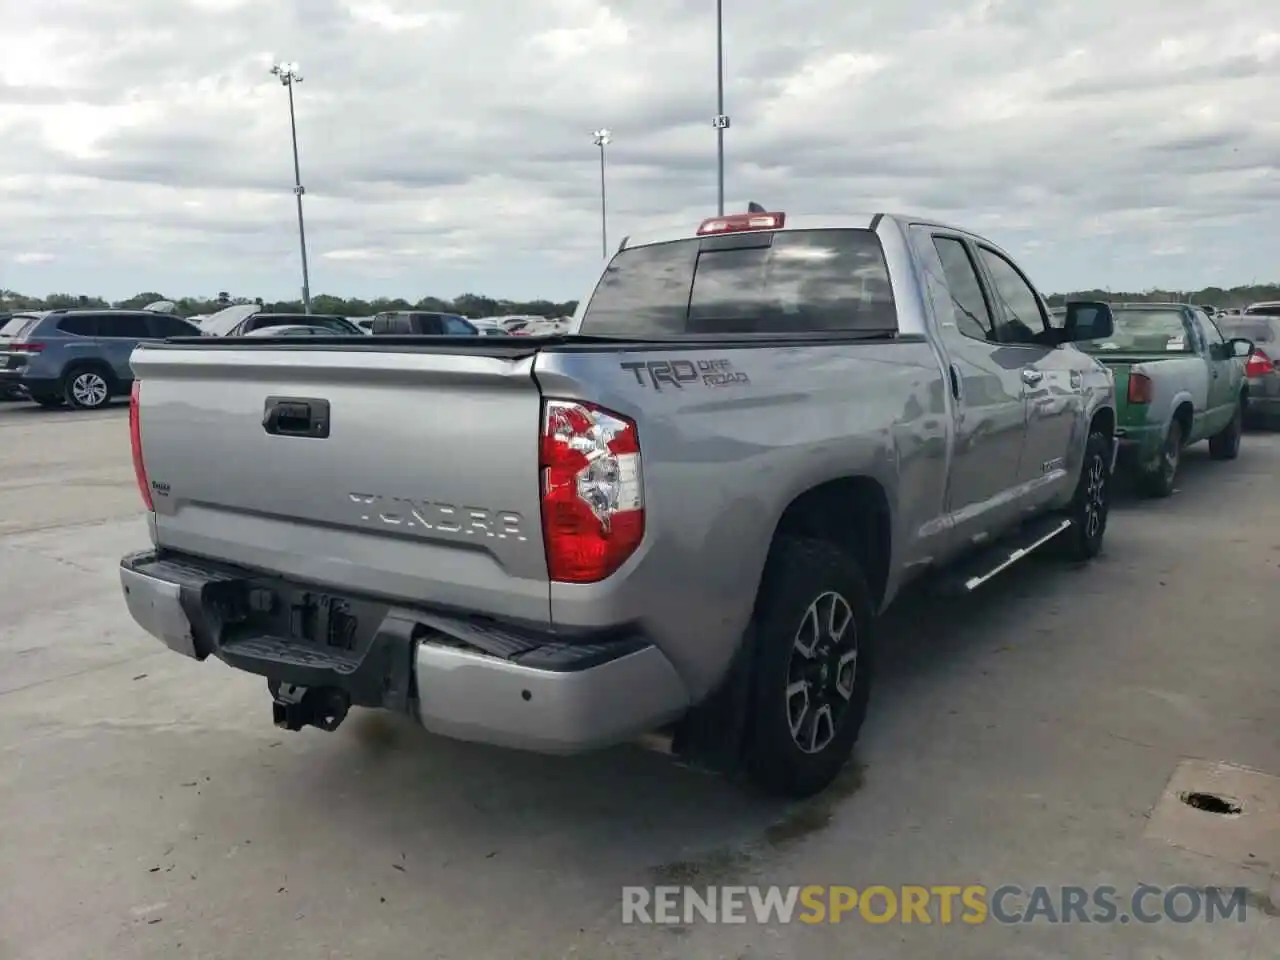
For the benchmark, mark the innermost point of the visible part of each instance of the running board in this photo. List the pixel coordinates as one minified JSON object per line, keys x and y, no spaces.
{"x":971,"y":573}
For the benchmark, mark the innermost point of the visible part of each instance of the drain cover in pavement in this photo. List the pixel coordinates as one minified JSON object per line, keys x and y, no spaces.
{"x":1222,"y":811}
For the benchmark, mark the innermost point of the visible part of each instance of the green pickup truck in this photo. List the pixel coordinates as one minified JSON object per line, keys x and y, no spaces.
{"x":1178,"y":381}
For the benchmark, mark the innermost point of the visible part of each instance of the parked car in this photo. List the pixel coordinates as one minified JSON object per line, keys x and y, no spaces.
{"x":8,"y":327}
{"x":1262,"y":328}
{"x":1269,"y":308}
{"x":420,"y":322}
{"x":81,"y":357}
{"x":292,"y":330}
{"x":1178,"y":381}
{"x":687,"y":517}
{"x":233,"y":327}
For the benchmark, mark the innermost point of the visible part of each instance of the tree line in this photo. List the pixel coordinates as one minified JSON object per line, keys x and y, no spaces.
{"x":468,"y":305}
{"x":474,"y":305}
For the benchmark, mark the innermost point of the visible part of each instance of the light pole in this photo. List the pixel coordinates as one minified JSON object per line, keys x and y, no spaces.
{"x":288,"y":75}
{"x":603,"y":137}
{"x":721,"y":121}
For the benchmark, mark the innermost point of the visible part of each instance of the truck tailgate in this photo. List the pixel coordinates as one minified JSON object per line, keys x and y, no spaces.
{"x":423,"y":487}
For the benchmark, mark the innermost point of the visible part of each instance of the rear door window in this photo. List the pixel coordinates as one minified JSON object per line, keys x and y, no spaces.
{"x":124,"y":326}
{"x":801,"y":281}
{"x":964,"y":290}
{"x":80,"y":324}
{"x":163,"y":327}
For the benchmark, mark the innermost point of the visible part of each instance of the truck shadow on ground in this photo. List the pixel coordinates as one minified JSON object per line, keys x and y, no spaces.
{"x":626,"y":815}
{"x":627,"y":812}
{"x":20,"y":411}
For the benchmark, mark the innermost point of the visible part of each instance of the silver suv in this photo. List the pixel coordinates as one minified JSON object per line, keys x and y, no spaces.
{"x":79,"y":357}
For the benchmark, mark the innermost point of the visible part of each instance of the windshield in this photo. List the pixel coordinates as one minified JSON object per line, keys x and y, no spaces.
{"x":797,"y":281}
{"x":1143,"y":331}
{"x":1264,"y":310}
{"x":224,"y":321}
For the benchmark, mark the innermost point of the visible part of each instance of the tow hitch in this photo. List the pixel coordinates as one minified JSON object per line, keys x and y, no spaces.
{"x":295,"y":707}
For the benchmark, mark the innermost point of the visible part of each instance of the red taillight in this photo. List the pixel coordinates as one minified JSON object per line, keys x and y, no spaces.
{"x":135,"y":440}
{"x":740,"y":222}
{"x":1140,"y":388}
{"x":1259,"y":364}
{"x":592,"y":491}
{"x":27,"y":347}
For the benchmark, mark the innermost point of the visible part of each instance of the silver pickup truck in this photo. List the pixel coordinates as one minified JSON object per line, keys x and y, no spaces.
{"x":682,"y":518}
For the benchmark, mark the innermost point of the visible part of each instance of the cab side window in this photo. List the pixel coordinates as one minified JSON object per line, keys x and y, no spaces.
{"x":1210,"y":333}
{"x":969,"y":306}
{"x":1022,"y":319}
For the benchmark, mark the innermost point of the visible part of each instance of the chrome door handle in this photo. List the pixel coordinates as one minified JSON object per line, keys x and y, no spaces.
{"x":1032,"y":377}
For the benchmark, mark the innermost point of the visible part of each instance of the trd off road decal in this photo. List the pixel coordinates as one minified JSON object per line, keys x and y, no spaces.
{"x":683,"y":373}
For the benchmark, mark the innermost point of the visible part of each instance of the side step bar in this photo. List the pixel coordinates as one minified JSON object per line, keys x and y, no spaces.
{"x":970,"y":574}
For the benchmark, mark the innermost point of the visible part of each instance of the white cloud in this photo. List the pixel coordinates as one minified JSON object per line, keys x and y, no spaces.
{"x":447,"y":147}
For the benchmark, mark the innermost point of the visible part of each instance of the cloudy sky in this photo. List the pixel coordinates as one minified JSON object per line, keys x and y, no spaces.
{"x":446,"y":145}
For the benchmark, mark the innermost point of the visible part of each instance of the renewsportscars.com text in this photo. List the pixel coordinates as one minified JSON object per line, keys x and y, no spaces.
{"x":941,"y":904}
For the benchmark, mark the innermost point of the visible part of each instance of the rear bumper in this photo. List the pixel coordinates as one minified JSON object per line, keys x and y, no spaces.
{"x":19,"y":383}
{"x":1138,"y":447}
{"x":462,"y":677}
{"x":1262,"y":406}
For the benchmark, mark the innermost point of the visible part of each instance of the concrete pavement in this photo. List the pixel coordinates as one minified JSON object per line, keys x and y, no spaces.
{"x":1020,"y":737}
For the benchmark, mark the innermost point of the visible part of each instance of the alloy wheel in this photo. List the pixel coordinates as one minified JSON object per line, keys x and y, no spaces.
{"x":1095,"y":499}
{"x":89,"y":389}
{"x":821,"y":672}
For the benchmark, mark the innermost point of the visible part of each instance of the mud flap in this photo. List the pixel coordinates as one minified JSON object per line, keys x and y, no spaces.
{"x":713,"y":735}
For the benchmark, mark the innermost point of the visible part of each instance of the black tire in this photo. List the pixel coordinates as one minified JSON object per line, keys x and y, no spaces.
{"x":1225,"y":444}
{"x":1159,"y":482}
{"x":807,"y":583}
{"x":86,"y":388}
{"x":1091,"y":504}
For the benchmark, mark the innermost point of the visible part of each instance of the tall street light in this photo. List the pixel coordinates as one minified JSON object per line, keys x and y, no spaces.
{"x":288,"y":75}
{"x":721,"y":121}
{"x":603,"y":137}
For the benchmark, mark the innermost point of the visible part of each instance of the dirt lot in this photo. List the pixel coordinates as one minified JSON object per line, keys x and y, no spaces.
{"x":1021,"y":737}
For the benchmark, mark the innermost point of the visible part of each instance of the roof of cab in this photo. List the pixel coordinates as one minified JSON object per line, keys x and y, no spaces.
{"x":848,"y":221}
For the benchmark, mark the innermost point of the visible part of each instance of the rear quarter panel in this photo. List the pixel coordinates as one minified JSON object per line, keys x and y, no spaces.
{"x":726,"y":452}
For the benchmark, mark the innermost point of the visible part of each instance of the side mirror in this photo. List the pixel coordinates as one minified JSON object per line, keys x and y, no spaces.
{"x":1087,"y":320}
{"x":1241,"y":347}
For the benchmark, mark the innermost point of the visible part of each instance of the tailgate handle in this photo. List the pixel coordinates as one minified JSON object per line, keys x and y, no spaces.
{"x":296,"y":417}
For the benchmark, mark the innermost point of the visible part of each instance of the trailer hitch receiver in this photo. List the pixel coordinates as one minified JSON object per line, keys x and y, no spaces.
{"x":294,"y":707}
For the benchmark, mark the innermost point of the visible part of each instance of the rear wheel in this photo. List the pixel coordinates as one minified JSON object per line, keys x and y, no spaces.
{"x":87,"y":388}
{"x":812,"y":674}
{"x":1225,"y":445}
{"x":1092,"y":501}
{"x":1158,"y":482}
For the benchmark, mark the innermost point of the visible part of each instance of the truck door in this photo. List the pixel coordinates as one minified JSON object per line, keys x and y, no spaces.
{"x":990,"y":411}
{"x":1225,"y":374}
{"x":1054,"y":391}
